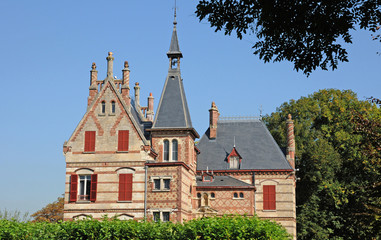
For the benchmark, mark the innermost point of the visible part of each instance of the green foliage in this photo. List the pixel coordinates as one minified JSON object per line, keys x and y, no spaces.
{"x":338,"y":195}
{"x":307,"y":33}
{"x":227,"y":227}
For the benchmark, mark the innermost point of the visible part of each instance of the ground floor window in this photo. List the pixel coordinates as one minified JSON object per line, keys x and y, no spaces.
{"x":84,"y":187}
{"x":161,"y":216}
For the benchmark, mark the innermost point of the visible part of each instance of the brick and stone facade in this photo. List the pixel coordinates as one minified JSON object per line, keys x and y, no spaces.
{"x":125,"y":160}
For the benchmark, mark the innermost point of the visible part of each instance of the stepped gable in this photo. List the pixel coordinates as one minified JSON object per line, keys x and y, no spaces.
{"x":253,"y":141}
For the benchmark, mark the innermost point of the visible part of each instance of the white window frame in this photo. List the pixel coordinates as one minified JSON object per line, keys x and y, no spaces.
{"x":161,"y":214}
{"x":161,"y":183}
{"x":232,"y":160}
{"x":86,"y":179}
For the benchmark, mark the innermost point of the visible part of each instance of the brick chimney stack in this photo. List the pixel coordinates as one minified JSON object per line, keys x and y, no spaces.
{"x":126,"y":84}
{"x":150,"y":112}
{"x":290,"y":141}
{"x":137,"y":95}
{"x":213,"y":118}
{"x":110,"y":60}
{"x":93,"y":89}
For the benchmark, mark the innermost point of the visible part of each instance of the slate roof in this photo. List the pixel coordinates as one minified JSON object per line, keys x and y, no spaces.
{"x":174,"y":48}
{"x":253,"y":141}
{"x":221,"y":181}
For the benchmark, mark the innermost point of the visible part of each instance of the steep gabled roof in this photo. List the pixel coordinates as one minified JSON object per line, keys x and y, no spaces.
{"x":134,"y":119}
{"x":256,"y":146}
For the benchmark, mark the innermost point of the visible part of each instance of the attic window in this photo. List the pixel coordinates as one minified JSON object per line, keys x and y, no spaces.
{"x":113,"y":107}
{"x":234,"y":162}
{"x":103,"y":107}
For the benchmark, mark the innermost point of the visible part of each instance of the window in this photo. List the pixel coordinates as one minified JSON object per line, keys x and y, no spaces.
{"x":113,"y":107}
{"x":198,"y":195}
{"x":240,"y":195}
{"x":161,"y":184}
{"x":123,"y":140}
{"x":90,"y":141}
{"x":234,"y":162}
{"x":269,"y":200}
{"x":235,"y":195}
{"x":212,"y":195}
{"x":174,"y":150}
{"x":86,"y":189}
{"x":161,"y":216}
{"x":156,"y":216}
{"x":166,"y":150}
{"x":166,"y":183}
{"x":125,"y":187}
{"x":103,"y":107}
{"x":157,"y":184}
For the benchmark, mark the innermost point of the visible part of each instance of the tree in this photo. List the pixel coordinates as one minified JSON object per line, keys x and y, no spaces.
{"x":338,"y":153}
{"x":53,"y":212}
{"x":305,"y":33}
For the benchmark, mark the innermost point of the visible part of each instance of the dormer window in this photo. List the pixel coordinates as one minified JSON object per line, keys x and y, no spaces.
{"x":234,"y":159}
{"x":234,"y":162}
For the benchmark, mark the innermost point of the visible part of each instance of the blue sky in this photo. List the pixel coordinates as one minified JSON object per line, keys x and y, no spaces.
{"x":47,"y":48}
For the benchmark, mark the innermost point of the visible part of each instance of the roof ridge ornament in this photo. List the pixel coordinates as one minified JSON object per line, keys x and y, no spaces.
{"x":174,"y":21}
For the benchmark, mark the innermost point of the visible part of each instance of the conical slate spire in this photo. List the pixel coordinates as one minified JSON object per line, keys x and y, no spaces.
{"x":173,"y":111}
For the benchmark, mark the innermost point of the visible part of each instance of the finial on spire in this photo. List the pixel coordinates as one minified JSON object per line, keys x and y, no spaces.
{"x":174,"y":21}
{"x":126,"y":64}
{"x":93,"y":66}
{"x":234,"y":141}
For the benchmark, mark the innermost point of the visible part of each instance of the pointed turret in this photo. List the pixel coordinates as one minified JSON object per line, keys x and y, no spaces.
{"x":173,"y":112}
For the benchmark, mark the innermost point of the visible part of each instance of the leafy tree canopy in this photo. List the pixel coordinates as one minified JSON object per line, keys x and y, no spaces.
{"x":53,"y":212}
{"x":305,"y":33}
{"x":338,"y":146}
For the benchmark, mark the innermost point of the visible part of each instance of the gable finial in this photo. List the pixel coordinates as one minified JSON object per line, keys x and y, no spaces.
{"x":234,"y":141}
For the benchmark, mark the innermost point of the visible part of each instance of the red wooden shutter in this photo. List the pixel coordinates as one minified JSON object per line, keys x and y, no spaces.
{"x":125,"y":187}
{"x":73,"y":187}
{"x":269,"y":201}
{"x":93,"y":187}
{"x":123,"y":137}
{"x":89,"y":141}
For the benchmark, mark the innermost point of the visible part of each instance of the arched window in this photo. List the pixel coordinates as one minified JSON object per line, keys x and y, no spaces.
{"x":235,"y":195}
{"x":241,"y":195}
{"x":113,"y":107}
{"x":166,"y":150}
{"x":174,"y":150}
{"x":103,"y":107}
{"x":212,"y":195}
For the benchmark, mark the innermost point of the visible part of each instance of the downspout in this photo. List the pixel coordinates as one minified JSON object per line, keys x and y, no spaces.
{"x":255,"y":191}
{"x":145,"y":192}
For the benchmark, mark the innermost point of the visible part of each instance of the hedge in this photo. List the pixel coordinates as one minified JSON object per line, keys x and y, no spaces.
{"x":227,"y":227}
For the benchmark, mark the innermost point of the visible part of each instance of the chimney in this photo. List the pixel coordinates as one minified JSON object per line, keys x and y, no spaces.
{"x":137,"y":95}
{"x":290,"y":155}
{"x":150,"y":112}
{"x":213,"y":118}
{"x":126,"y":84}
{"x":110,"y":60}
{"x":93,"y":89}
